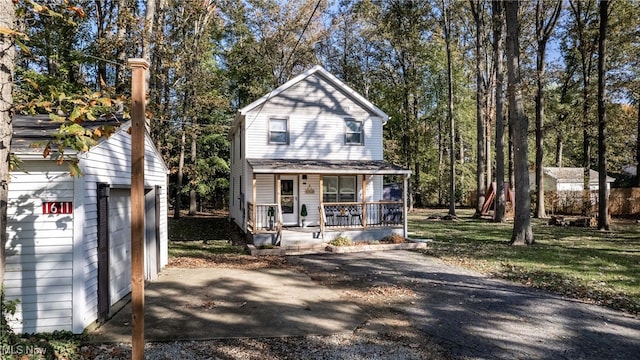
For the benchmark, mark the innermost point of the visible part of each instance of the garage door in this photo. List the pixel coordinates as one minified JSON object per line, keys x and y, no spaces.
{"x":119,"y":244}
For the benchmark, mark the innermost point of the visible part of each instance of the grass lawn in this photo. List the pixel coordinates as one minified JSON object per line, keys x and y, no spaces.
{"x":201,"y":237}
{"x":582,"y":263}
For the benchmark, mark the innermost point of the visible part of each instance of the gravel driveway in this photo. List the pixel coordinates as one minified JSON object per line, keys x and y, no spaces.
{"x":421,"y":308}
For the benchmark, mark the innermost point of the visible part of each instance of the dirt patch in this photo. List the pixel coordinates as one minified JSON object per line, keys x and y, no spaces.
{"x":231,"y":261}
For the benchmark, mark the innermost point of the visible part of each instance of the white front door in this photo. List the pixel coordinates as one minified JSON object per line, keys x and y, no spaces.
{"x":289,"y":199}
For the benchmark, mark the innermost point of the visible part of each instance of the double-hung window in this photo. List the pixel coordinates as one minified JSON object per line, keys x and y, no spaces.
{"x":279,"y":131}
{"x":338,"y":189}
{"x":354,"y":134}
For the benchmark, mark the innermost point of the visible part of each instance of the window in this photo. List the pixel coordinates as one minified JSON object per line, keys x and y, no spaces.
{"x":278,"y":131}
{"x":353,"y":132}
{"x":339,"y":189}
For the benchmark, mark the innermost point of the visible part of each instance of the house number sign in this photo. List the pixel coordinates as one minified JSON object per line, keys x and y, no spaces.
{"x":57,"y":207}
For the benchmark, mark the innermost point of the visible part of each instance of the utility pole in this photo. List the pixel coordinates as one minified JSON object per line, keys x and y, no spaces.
{"x":139,"y":68}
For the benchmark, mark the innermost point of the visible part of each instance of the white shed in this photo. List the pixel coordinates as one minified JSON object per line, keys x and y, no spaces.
{"x":68,"y":244}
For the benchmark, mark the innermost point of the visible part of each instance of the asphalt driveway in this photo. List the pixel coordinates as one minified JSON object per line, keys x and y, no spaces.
{"x":467,"y":314}
{"x":475,"y":317}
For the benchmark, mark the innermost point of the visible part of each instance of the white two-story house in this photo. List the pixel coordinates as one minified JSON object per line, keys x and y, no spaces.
{"x":307,"y":166}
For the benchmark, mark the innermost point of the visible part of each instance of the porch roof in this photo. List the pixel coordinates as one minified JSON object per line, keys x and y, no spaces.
{"x":296,"y":166}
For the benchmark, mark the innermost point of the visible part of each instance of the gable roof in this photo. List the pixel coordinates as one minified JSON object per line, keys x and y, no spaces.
{"x":325,"y":75}
{"x":32,"y":132}
{"x":572,"y":175}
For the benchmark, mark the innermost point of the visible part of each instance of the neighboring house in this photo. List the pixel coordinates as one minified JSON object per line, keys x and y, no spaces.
{"x":564,"y":188}
{"x":568,"y":179}
{"x":314,"y":142}
{"x":68,"y":245}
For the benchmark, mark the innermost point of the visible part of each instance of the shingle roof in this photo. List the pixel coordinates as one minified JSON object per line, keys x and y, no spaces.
{"x":31,"y":133}
{"x":294,"y":166}
{"x":572,"y":174}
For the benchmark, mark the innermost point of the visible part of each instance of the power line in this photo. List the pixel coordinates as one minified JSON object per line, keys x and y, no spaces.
{"x":288,"y":58}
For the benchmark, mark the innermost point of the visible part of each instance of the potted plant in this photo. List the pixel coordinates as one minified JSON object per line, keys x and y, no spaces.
{"x":270,"y":213}
{"x":303,"y":213}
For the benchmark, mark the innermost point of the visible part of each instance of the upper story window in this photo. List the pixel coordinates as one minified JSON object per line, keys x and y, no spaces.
{"x":279,"y":131}
{"x":353,"y":132}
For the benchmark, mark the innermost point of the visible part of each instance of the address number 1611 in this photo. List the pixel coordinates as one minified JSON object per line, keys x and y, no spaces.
{"x":57,"y":207}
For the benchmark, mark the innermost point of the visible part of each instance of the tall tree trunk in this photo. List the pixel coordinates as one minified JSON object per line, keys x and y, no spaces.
{"x":178,"y":205}
{"x":638,"y":147}
{"x":147,"y":37}
{"x":522,"y":233}
{"x":477,"y":10}
{"x":192,"y":192}
{"x":452,"y":128}
{"x":498,"y":21}
{"x":586,"y":63}
{"x":124,"y":15}
{"x":603,"y":193}
{"x":543,"y":33}
{"x":7,"y":58}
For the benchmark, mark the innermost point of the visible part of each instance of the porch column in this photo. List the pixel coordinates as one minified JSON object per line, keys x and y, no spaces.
{"x":254,"y":196}
{"x":405,"y":182}
{"x":364,"y":201}
{"x":278,"y":189}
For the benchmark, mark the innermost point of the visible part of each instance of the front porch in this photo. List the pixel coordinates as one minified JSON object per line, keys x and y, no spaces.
{"x":295,"y":202}
{"x":369,"y":221}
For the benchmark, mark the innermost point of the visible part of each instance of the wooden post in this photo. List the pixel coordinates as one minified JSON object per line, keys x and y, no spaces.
{"x":254,"y":193}
{"x":405,"y":211}
{"x":363,"y":212}
{"x":139,"y":68}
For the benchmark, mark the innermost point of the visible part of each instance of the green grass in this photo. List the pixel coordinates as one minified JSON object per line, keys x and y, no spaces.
{"x":201,"y":237}
{"x":596,"y":266}
{"x":201,"y":249}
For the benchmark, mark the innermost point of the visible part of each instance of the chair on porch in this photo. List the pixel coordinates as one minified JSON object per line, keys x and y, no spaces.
{"x":355,"y":214}
{"x":330,"y":215}
{"x":392,"y":215}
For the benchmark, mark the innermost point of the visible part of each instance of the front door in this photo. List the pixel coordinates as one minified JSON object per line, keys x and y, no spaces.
{"x":289,"y":199}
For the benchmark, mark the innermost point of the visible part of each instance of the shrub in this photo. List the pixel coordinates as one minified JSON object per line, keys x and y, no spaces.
{"x":7,"y":336}
{"x":341,"y":241}
{"x":393,"y":239}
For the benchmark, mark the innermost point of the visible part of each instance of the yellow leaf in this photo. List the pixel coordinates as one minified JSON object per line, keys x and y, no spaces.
{"x":56,"y":118}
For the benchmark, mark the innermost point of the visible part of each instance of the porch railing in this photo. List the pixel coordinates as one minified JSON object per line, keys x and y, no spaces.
{"x":264,"y":218}
{"x":356,"y":214}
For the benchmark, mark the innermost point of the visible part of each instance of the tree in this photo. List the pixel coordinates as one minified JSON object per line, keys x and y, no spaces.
{"x":477,"y":9}
{"x":498,"y":22}
{"x":7,"y":57}
{"x":522,"y":233}
{"x":543,"y":33}
{"x":586,"y":45}
{"x":603,"y":198}
{"x":446,"y":28}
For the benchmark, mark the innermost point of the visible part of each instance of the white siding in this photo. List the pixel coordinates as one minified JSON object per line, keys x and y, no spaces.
{"x":52,"y":259}
{"x":265,"y":189}
{"x":316,"y":113}
{"x":109,"y":162}
{"x":40,"y":248}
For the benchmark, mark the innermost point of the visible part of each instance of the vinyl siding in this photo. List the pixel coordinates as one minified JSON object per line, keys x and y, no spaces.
{"x":109,"y":162}
{"x":316,"y":113}
{"x":52,"y":261}
{"x":39,"y":248}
